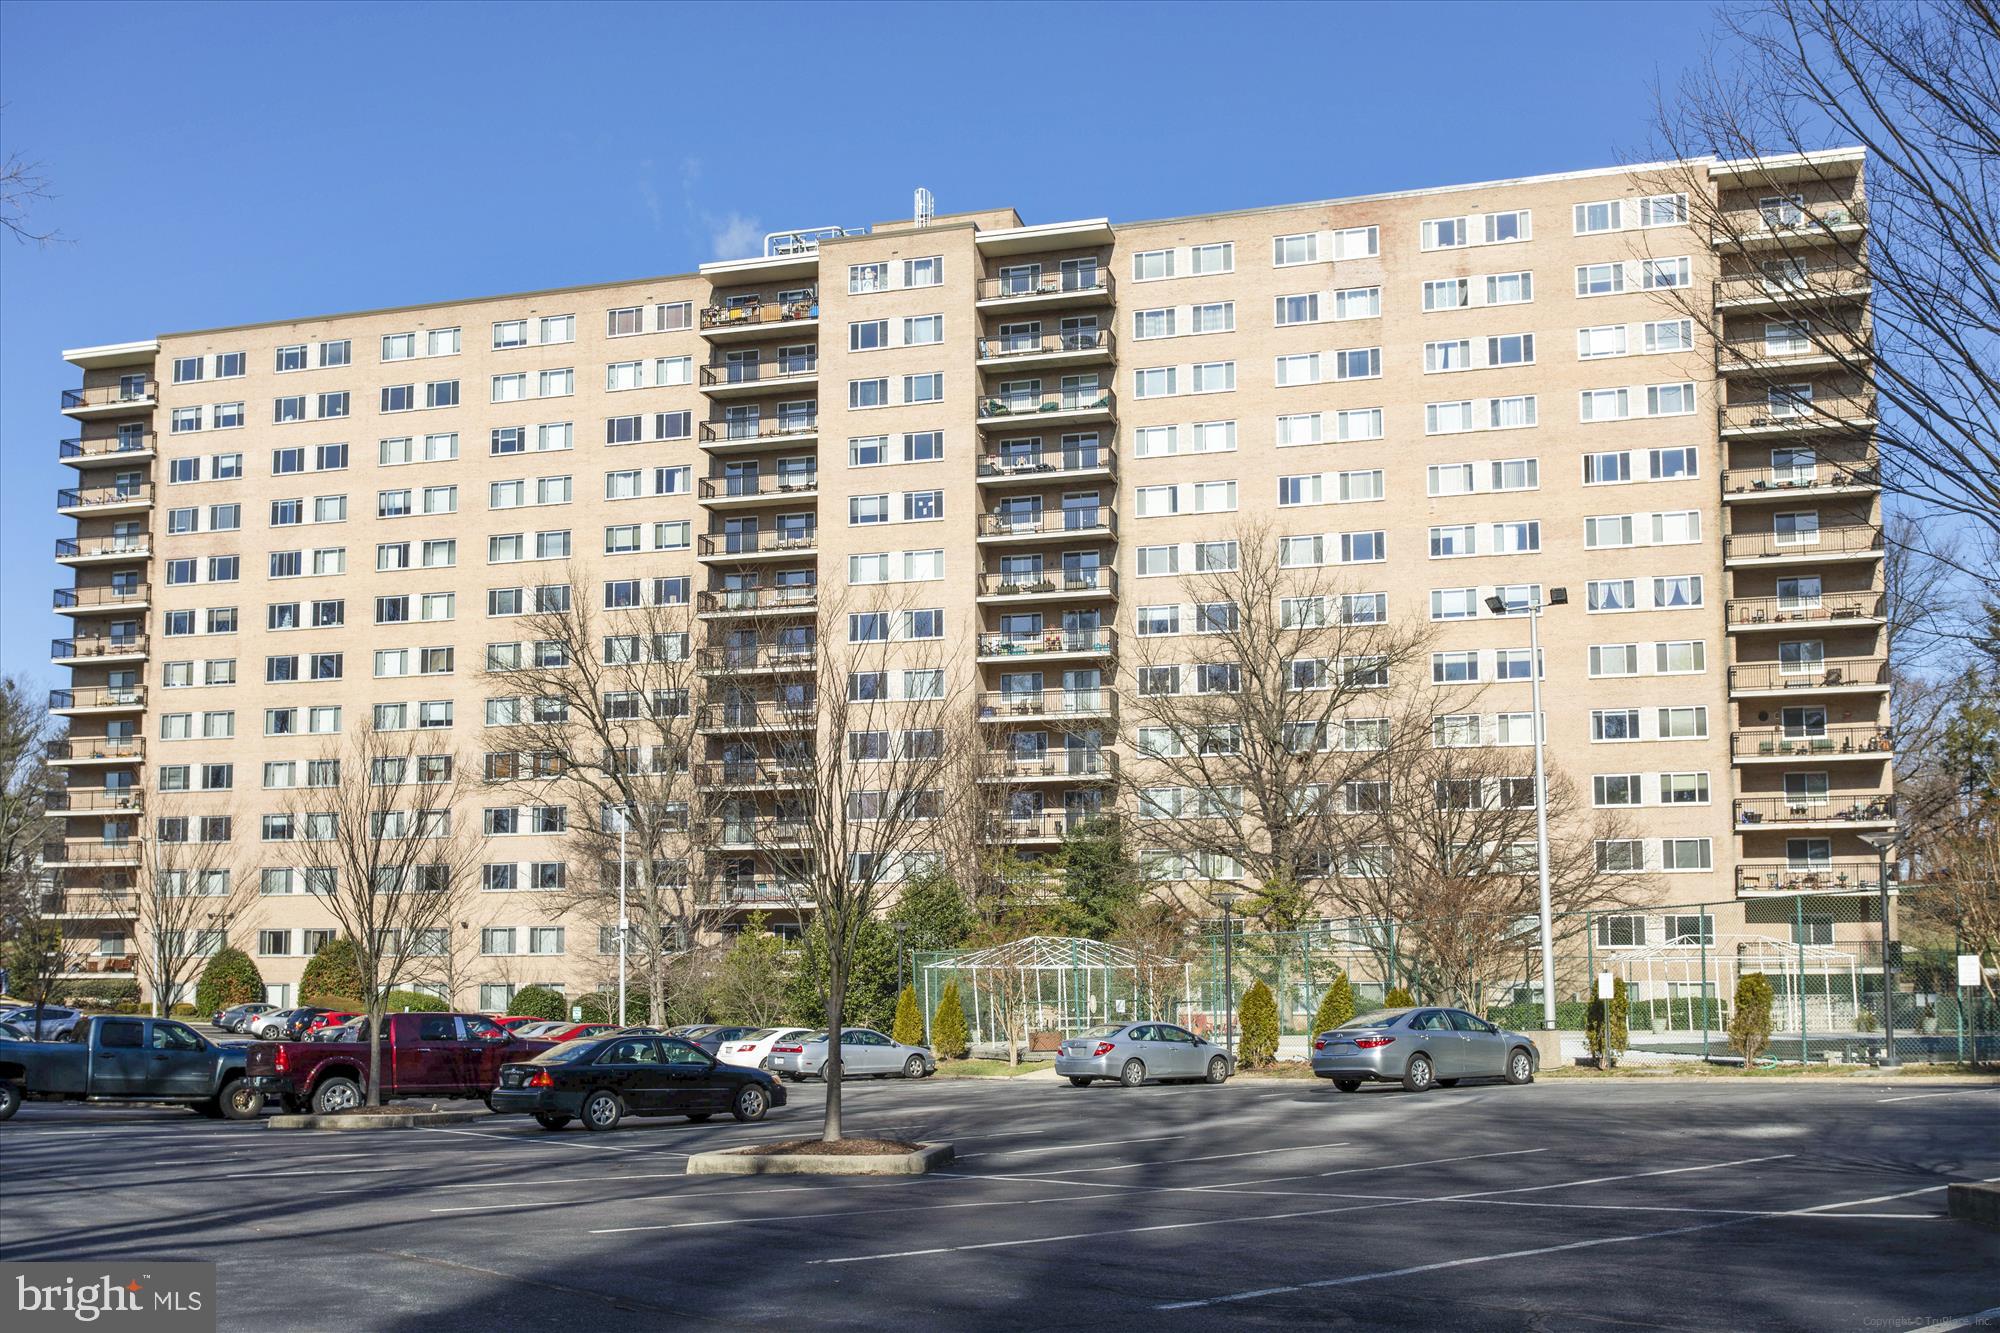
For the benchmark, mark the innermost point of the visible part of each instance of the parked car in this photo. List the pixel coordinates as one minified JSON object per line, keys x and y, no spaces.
{"x":332,"y":1018}
{"x":113,"y":1058}
{"x":269,"y":1026}
{"x":237,"y":1016}
{"x":54,"y":1024}
{"x":512,"y":1021}
{"x":1131,"y":1053}
{"x":601,"y":1080}
{"x":8,"y":1032}
{"x":1421,"y":1048}
{"x":539,"y":1029}
{"x":864,"y":1052}
{"x":427,"y":1055}
{"x":753,"y":1048}
{"x":574,"y":1031}
{"x":354,"y":1029}
{"x":712,"y":1039}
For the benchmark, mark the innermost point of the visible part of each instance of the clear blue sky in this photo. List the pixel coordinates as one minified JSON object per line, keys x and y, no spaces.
{"x":232,"y":163}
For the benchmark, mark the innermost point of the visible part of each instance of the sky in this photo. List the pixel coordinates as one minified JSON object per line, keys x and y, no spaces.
{"x":225,"y":164}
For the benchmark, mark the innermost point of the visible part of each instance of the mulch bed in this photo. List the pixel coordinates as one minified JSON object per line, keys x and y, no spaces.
{"x":838,"y":1148}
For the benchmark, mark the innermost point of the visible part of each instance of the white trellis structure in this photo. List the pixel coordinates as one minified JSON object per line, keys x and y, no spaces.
{"x":1817,"y":984}
{"x":1047,"y":983}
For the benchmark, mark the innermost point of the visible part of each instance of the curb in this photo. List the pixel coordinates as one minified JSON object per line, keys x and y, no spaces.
{"x":1975,"y":1203}
{"x":928,"y":1157}
{"x":411,"y":1120}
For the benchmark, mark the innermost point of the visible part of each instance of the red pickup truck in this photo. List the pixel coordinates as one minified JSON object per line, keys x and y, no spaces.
{"x":423,"y":1055}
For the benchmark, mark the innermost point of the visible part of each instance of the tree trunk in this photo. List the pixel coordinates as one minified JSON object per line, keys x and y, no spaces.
{"x":836,"y":1013}
{"x":656,"y":984}
{"x":375,"y":1054}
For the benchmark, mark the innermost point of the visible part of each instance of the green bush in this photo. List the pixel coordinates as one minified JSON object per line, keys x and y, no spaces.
{"x":333,"y":978}
{"x":1607,"y":1029}
{"x":1335,"y":1007}
{"x":543,"y":1002}
{"x":1571,"y":1015}
{"x":909,"y":1026}
{"x":949,"y":1036}
{"x":1398,"y":998}
{"x":98,"y":994}
{"x":415,"y":1001}
{"x":1258,"y":1016}
{"x":229,"y":979}
{"x":597,"y":1008}
{"x":182,"y":1010}
{"x":1750,"y":1025}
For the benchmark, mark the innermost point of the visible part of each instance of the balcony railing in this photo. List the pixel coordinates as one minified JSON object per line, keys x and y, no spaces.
{"x":90,"y":853}
{"x":1824,"y":674}
{"x":1833,"y":411}
{"x":777,"y":373}
{"x":764,"y":428}
{"x":91,"y":497}
{"x":1756,"y":353}
{"x":725,"y":601}
{"x":1755,"y":226}
{"x":1834,"y":809}
{"x":1816,"y":284}
{"x":1831,"y":607}
{"x":748,"y":891}
{"x":1051,"y":522}
{"x":739,"y":488}
{"x":98,"y":645}
{"x":70,"y":548}
{"x":110,"y":395}
{"x":1854,"y":876}
{"x":1852,"y":539}
{"x":760,"y":657}
{"x":1040,"y":826}
{"x":1777,"y":743}
{"x":763,"y":772}
{"x":1855,"y":470}
{"x":1098,"y":642}
{"x":107,"y":446}
{"x":1093,"y":282}
{"x":1015,"y":408}
{"x":757,"y":543}
{"x":1003,"y":346}
{"x":99,"y":696}
{"x":1092,"y":764}
{"x":93,"y":800}
{"x":116,"y":748}
{"x":762,"y":831}
{"x":1052,"y":465}
{"x":1076,"y":582}
{"x":106,"y":595}
{"x":756,"y":313}
{"x":1001,"y":705}
{"x":748,"y":714}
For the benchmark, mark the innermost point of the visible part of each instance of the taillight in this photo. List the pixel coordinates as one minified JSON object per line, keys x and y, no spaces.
{"x":279,"y":1062}
{"x":788,"y":1050}
{"x":540,"y":1079}
{"x":1370,"y":1043}
{"x":1104,"y":1048}
{"x":1319,"y":1044}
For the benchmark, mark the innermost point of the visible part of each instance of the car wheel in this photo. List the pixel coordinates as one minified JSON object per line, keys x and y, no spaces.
{"x":601,"y":1111}
{"x":701,"y":1117}
{"x":550,"y":1120}
{"x":751,"y":1103}
{"x":336,"y":1095}
{"x":1218,"y":1069}
{"x":1447,"y":1083}
{"x":1133,"y":1074}
{"x":1076,"y":1082}
{"x":1348,"y":1084}
{"x":913,"y":1067}
{"x":1418,"y":1074}
{"x":239,"y":1101}
{"x":10,"y":1099}
{"x":1520,"y":1066}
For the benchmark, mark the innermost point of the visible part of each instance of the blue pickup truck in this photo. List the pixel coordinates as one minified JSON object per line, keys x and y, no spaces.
{"x":112,"y":1059}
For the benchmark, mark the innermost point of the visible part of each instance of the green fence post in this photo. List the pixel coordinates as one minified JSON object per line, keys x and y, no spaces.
{"x":1589,"y":964}
{"x":1958,"y":995}
{"x":1701,"y":991}
{"x":1799,"y":982}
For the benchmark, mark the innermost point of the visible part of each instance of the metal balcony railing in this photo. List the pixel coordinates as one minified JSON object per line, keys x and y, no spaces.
{"x":1837,"y":808}
{"x":756,"y":313}
{"x":107,"y":446}
{"x":97,"y":645}
{"x":761,"y":772}
{"x":110,"y":395}
{"x":69,"y":548}
{"x":760,"y":657}
{"x":1777,"y":743}
{"x":1817,"y":674}
{"x":757,"y":543}
{"x":105,"y":595}
{"x":1851,"y":539}
{"x":764,"y":428}
{"x":90,"y":853}
{"x":115,"y":748}
{"x":1813,"y":285}
{"x":1780,"y":876}
{"x":1099,"y":642}
{"x":1099,"y":519}
{"x":1845,"y":468}
{"x":1789,"y":222}
{"x":93,"y":800}
{"x":738,"y":488}
{"x":99,"y":696}
{"x":724,"y":601}
{"x":1828,"y":412}
{"x":1095,"y":765}
{"x":761,"y":831}
{"x":1038,"y":826}
{"x":742,"y":891}
{"x":1052,"y":465}
{"x":1000,"y":347}
{"x":1021,"y":407}
{"x":1827,"y":608}
{"x":1079,"y":582}
{"x":1757,"y":353}
{"x":1003,"y":705}
{"x":777,"y":374}
{"x":91,"y":497}
{"x":755,"y":714}
{"x":1071,"y":282}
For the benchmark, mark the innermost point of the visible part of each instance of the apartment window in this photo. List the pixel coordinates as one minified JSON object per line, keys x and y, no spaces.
{"x":1148,"y":265}
{"x":1686,"y":854}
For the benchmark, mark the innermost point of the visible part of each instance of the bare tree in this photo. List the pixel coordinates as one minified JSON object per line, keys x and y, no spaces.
{"x":1244,"y":754}
{"x":381,"y":837}
{"x":604,"y":724}
{"x":23,"y":186}
{"x":24,"y":820}
{"x":188,"y":893}
{"x":1917,"y":86}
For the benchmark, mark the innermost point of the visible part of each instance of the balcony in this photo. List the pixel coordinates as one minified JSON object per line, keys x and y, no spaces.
{"x":1758,"y":356}
{"x":1055,"y":766}
{"x":1817,"y":812}
{"x":753,"y":715}
{"x":96,"y":905}
{"x":83,"y":601}
{"x":1854,"y":474}
{"x":76,"y":501}
{"x":749,"y":834}
{"x":1041,"y":826}
{"x":99,"y":550}
{"x":97,"y":648}
{"x":753,"y":891}
{"x":126,"y":448}
{"x":1856,"y":609}
{"x":1856,"y":541}
{"x":120,"y":966}
{"x":121,"y":853}
{"x":1048,"y":705}
{"x":1081,"y":348}
{"x":94,"y":801}
{"x":741,"y":379}
{"x":725,"y":602}
{"x":762,"y":774}
{"x":1053,"y":409}
{"x":1053,"y":586}
{"x":1776,"y":745}
{"x":133,"y":395}
{"x":1054,"y":644}
{"x":1853,"y":674}
{"x":1796,"y":416}
{"x":764,"y":657}
{"x":1815,"y":287}
{"x":98,"y":699}
{"x":723,"y":436}
{"x":750,"y":547}
{"x":1066,"y":464}
{"x":1099,"y":522}
{"x":1778,"y":228}
{"x":742,"y":492}
{"x":97,"y":750}
{"x":726,"y":323}
{"x":1787,"y":877}
{"x":1046,"y":290}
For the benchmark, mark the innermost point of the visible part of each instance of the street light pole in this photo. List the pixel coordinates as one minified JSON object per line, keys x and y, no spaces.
{"x":624,"y":922}
{"x":1882,"y":842}
{"x":1498,"y":605}
{"x":1225,"y":901}
{"x":902,"y":928}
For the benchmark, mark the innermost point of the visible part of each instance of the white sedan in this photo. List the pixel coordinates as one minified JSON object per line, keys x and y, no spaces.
{"x":753,"y":1049}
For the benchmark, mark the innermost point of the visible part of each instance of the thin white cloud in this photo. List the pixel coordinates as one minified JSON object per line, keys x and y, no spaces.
{"x":731,"y":235}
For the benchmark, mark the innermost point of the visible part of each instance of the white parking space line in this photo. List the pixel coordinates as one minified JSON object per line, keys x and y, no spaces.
{"x":1924,"y":1096}
{"x":1963,"y":1321}
{"x":1178,"y":1161}
{"x":847,"y":1212}
{"x":1880,"y":1198}
{"x":1068,"y":1147}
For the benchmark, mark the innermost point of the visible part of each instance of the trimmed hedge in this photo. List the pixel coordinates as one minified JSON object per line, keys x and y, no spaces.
{"x":229,"y":979}
{"x":597,"y":1008}
{"x":97,"y":994}
{"x":1750,"y":1025}
{"x":909,"y":1025}
{"x":1258,"y":1015}
{"x":1608,"y":1030}
{"x":1335,"y":1007}
{"x":950,"y":1037}
{"x":415,"y":1001}
{"x":333,"y":978}
{"x":541,"y":1001}
{"x":1398,"y":998}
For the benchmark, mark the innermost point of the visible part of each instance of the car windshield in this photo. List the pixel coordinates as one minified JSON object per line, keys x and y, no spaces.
{"x":761,"y":1034}
{"x":569,"y":1050}
{"x":1381,"y":1018}
{"x":1107,"y":1030}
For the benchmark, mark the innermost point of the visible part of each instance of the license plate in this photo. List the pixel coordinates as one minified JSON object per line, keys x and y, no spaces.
{"x":511,"y":1079}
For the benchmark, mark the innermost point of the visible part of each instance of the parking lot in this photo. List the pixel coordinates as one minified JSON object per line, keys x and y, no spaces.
{"x":1717,"y":1205}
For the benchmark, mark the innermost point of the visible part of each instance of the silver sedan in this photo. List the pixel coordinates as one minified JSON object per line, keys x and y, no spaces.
{"x":1131,"y":1053}
{"x":1421,"y":1048}
{"x":864,"y":1053}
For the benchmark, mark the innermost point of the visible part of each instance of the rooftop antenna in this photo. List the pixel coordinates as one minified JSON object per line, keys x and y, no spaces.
{"x":926,"y":206}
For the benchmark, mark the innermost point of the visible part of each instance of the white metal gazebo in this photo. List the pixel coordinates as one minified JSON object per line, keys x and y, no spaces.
{"x":1041,"y":983}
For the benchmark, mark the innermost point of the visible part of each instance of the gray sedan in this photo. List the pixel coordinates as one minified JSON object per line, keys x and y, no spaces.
{"x":1134,"y":1052}
{"x":864,"y":1053}
{"x":1421,"y":1048}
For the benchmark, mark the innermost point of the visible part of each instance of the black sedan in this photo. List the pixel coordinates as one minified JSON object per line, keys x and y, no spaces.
{"x":601,"y":1080}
